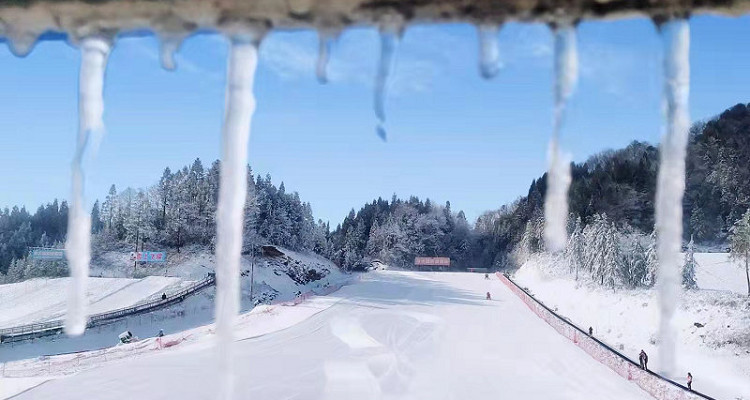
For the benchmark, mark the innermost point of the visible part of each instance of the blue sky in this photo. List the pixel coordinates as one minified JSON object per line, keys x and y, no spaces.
{"x":452,"y":135}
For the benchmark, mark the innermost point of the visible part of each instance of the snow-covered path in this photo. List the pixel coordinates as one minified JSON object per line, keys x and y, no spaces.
{"x":393,"y":335}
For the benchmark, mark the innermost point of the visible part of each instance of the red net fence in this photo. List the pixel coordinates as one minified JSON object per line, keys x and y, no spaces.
{"x":656,"y":385}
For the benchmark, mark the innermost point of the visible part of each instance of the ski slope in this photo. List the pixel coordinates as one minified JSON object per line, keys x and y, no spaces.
{"x":392,"y":335}
{"x":39,"y":300}
{"x":715,"y":352}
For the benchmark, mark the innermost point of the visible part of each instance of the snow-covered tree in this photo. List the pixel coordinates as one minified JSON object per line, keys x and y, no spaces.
{"x":688,"y":268}
{"x":652,"y":262}
{"x":740,"y":244}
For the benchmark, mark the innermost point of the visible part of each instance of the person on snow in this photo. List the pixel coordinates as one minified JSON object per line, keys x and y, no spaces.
{"x":489,"y":297}
{"x":591,"y":331}
{"x":643,"y":358}
{"x":690,"y":381}
{"x":163,"y":296}
{"x":161,"y":333}
{"x":486,"y":276}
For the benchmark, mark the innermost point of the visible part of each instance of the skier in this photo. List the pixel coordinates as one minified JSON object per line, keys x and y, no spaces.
{"x":489,"y":297}
{"x":486,"y":276}
{"x":591,"y":331}
{"x":161,"y":333}
{"x":690,"y":381}
{"x":643,"y":358}
{"x":163,"y":296}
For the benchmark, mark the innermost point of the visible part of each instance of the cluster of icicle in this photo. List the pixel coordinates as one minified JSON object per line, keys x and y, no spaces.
{"x":240,"y":105}
{"x":671,"y":179}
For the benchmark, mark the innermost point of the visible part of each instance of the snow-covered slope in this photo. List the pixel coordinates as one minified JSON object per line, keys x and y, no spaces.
{"x":717,"y":353}
{"x":39,"y":300}
{"x":716,"y":271}
{"x":273,"y":282}
{"x":394,"y":335}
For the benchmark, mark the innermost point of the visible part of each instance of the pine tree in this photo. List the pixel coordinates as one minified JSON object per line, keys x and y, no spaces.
{"x":740,"y":244}
{"x":652,"y":262}
{"x":688,"y":268}
{"x":610,"y":256}
{"x":96,"y":221}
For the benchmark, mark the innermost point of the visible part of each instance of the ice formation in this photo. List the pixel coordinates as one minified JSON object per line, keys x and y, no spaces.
{"x":389,"y":37}
{"x":558,"y":177}
{"x":326,"y":39}
{"x":94,"y":53}
{"x":240,"y":105}
{"x":489,"y":50}
{"x":671,"y":181}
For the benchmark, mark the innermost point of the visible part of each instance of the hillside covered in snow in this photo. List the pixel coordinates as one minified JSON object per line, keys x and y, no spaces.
{"x":713,"y":321}
{"x":278,"y":275}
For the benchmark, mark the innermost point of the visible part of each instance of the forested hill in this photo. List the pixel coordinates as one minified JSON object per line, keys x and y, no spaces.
{"x":622,"y":183}
{"x":397,"y":231}
{"x":177,"y":211}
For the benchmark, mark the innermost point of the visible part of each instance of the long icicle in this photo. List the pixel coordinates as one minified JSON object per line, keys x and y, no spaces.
{"x":389,"y":37}
{"x":94,"y":53}
{"x":671,"y":181}
{"x":558,"y":177}
{"x":240,"y":106}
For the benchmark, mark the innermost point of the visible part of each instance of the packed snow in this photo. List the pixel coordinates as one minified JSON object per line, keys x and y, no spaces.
{"x":711,"y":324}
{"x":395,"y":335}
{"x":671,"y":179}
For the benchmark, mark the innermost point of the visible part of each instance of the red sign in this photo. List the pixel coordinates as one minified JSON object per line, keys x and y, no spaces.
{"x":148,"y":256}
{"x":432,"y":261}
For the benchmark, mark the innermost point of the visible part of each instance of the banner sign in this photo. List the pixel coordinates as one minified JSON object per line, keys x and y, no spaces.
{"x":148,"y":256}
{"x":433,"y":261}
{"x":42,"y":253}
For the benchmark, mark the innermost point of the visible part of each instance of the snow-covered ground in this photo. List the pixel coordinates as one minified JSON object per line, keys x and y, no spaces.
{"x":717,"y":354}
{"x":391,"y":335}
{"x":717,"y":272}
{"x":272,"y":283}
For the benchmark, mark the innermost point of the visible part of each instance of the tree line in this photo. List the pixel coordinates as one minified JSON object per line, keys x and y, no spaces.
{"x":396,"y":232}
{"x":606,"y":253}
{"x":177,"y":211}
{"x":621,"y":184}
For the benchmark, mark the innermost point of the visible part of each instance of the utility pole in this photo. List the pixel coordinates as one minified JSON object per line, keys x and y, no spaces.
{"x":252,"y":273}
{"x":135,"y":262}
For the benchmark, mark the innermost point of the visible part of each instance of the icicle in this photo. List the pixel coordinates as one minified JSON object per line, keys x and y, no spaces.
{"x":240,"y":105}
{"x":169,"y":45}
{"x":389,"y":37}
{"x":671,"y":181}
{"x":558,"y":177}
{"x":326,"y":39}
{"x":489,"y":50}
{"x":94,"y":53}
